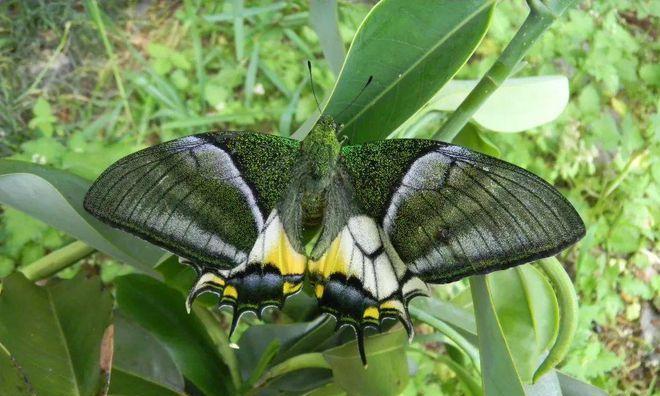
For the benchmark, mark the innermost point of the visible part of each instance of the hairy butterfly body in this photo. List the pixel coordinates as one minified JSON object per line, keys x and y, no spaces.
{"x":391,"y":215}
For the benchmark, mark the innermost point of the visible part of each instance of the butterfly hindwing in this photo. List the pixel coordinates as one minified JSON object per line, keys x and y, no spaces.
{"x":212,"y":200}
{"x":357,"y":275}
{"x":450,"y":212}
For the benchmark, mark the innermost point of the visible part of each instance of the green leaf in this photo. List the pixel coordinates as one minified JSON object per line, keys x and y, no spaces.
{"x":161,"y":311}
{"x":55,"y":197}
{"x":497,"y":367}
{"x":547,"y":385}
{"x":140,"y":358}
{"x":294,"y":339}
{"x":387,"y":369}
{"x":528,"y":315}
{"x":127,"y":384}
{"x":471,"y":137}
{"x":330,"y":389}
{"x":54,"y":332}
{"x":43,"y":117}
{"x":431,"y":40}
{"x":517,"y":105}
{"x":12,"y":378}
{"x":459,"y":318}
{"x":324,"y":20}
{"x":573,"y":387}
{"x":297,"y":341}
{"x":460,"y":341}
{"x":269,"y":353}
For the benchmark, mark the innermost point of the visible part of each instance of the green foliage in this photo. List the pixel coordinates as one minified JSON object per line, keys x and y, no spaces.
{"x":65,"y":323}
{"x":241,"y":65}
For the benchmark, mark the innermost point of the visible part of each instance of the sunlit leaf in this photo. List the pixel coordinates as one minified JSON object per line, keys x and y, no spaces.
{"x":55,"y":197}
{"x":323,"y":18}
{"x":431,"y":41}
{"x":518,"y":105}
{"x":387,"y":369}
{"x":528,"y":315}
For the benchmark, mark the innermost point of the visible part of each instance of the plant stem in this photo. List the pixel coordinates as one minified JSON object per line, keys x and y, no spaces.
{"x":49,"y":64}
{"x":541,"y":16}
{"x":299,"y":362}
{"x":568,"y":314}
{"x":56,"y":261}
{"x":447,"y":330}
{"x":614,"y":184}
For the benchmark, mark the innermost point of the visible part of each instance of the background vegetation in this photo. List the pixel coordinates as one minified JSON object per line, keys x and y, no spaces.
{"x":83,"y":87}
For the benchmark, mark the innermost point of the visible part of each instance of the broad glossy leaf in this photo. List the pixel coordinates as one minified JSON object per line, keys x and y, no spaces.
{"x":574,"y":387}
{"x":547,"y":385}
{"x":54,"y":332}
{"x":528,"y":315}
{"x":387,"y":370}
{"x":123,"y":383}
{"x":141,"y":358}
{"x":323,"y":18}
{"x":12,"y":378}
{"x":411,"y":50}
{"x":519,"y":104}
{"x":498,"y":370}
{"x":55,"y":197}
{"x":160,"y":309}
{"x":294,"y":339}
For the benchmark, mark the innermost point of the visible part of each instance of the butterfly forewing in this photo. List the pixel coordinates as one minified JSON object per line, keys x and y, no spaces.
{"x":196,"y":196}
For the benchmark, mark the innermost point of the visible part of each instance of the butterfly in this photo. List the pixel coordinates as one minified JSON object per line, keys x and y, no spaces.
{"x":387,"y":218}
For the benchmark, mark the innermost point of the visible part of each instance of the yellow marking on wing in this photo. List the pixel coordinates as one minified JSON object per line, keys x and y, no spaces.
{"x":290,"y":288}
{"x":230,"y":291}
{"x":388,"y":305}
{"x":284,"y":256}
{"x":371,"y":313}
{"x":318,"y":290}
{"x":331,"y":262}
{"x":215,"y":280}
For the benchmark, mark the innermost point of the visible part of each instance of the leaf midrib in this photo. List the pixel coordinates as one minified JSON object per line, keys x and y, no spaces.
{"x":414,"y":65}
{"x":65,"y":342}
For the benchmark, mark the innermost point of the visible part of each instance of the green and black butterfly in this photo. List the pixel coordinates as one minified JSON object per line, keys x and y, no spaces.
{"x":391,"y":216}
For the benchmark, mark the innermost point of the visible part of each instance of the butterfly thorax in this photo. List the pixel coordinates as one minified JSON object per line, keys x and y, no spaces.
{"x":319,"y":152}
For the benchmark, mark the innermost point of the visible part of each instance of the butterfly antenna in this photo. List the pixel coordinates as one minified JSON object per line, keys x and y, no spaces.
{"x":311,"y":82}
{"x":369,"y":80}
